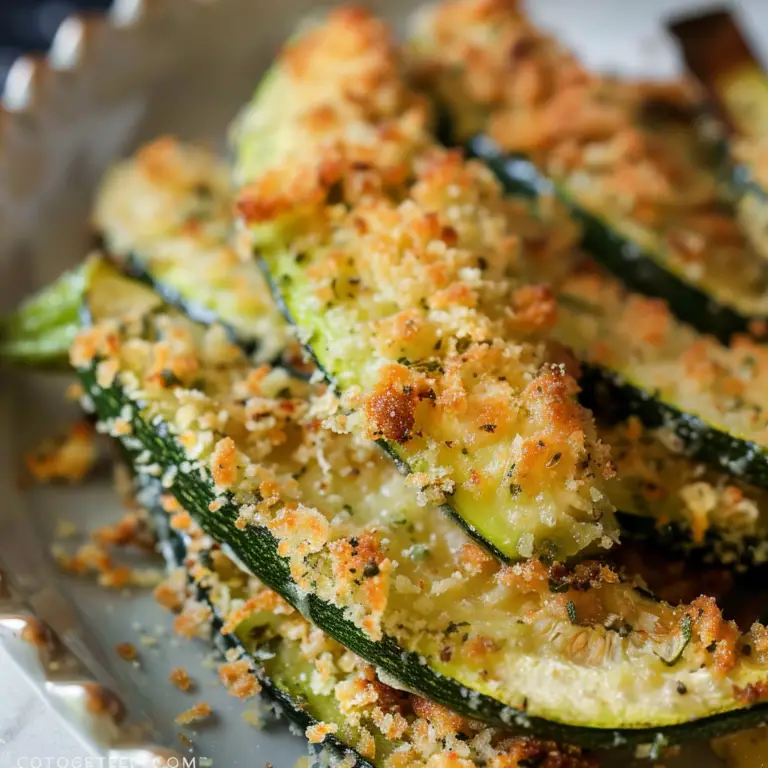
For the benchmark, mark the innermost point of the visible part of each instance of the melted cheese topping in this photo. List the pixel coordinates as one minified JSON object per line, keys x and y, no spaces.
{"x":399,"y":262}
{"x":168,"y":211}
{"x":625,"y":151}
{"x":347,"y":522}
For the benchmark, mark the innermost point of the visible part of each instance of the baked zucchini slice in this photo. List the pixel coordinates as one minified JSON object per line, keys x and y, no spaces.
{"x":334,"y":697}
{"x":260,"y":658}
{"x":625,"y":157}
{"x":325,"y":520}
{"x":396,"y":261}
{"x":719,"y":56}
{"x":165,"y":216}
{"x":40,"y":332}
{"x":668,"y":500}
{"x":638,"y":359}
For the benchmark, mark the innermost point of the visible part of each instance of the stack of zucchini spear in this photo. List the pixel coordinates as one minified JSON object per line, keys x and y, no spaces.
{"x":459,"y":327}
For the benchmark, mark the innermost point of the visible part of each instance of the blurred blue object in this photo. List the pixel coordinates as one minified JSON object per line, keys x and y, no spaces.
{"x":28,"y":26}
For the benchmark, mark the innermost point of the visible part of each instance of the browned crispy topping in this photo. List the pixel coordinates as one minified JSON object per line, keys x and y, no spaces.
{"x":181,"y":679}
{"x":194,"y":714}
{"x":127,"y":651}
{"x":390,"y":406}
{"x":239,"y":679}
{"x":70,"y":458}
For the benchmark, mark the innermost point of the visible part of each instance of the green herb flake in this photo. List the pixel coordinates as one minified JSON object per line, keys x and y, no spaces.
{"x":418,"y":552}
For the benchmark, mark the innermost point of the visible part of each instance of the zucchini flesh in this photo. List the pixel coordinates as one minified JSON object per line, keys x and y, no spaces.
{"x":165,"y":216}
{"x":328,"y":523}
{"x":651,"y":209}
{"x":398,"y":266}
{"x":315,"y":680}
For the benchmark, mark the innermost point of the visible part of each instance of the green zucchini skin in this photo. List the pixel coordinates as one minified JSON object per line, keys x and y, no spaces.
{"x":173,"y":546}
{"x":620,"y":255}
{"x":605,"y":392}
{"x":41,"y":330}
{"x":675,"y":539}
{"x":134,"y":267}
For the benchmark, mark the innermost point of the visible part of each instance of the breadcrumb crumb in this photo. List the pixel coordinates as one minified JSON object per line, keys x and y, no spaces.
{"x":127,"y":651}
{"x":194,"y":714}
{"x":317,"y":732}
{"x":69,"y":458}
{"x":181,"y":679}
{"x":239,"y":679}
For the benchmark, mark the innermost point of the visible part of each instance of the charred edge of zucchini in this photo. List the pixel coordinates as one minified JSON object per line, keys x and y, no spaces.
{"x":620,"y":255}
{"x":257,"y":548}
{"x":715,"y":48}
{"x":609,"y":396}
{"x":174,"y":546}
{"x":402,"y":466}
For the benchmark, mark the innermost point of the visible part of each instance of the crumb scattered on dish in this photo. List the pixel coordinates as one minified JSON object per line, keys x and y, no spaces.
{"x":127,"y":651}
{"x":239,"y":679}
{"x":181,"y":679}
{"x":69,"y":458}
{"x":194,"y":714}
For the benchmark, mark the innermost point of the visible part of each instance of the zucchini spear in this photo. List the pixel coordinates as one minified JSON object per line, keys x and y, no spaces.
{"x":165,"y":217}
{"x":398,"y":264}
{"x":260,"y":658}
{"x":333,"y":697}
{"x":326,"y":521}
